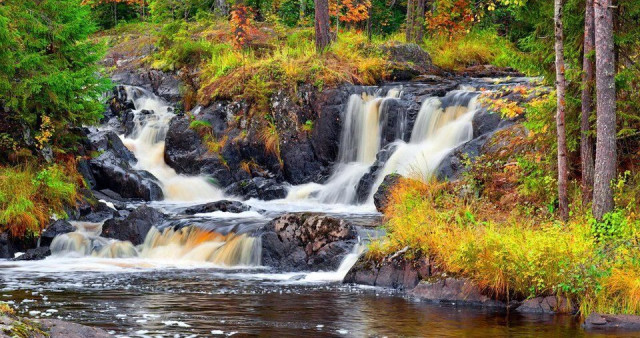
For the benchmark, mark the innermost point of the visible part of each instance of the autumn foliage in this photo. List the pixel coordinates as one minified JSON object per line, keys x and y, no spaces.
{"x":350,"y":11}
{"x":452,"y":17}
{"x":241,"y":25}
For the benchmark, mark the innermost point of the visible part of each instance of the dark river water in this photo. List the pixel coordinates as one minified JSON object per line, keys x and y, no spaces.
{"x":213,"y":302}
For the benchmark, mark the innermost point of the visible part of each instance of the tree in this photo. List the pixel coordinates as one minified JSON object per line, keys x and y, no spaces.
{"x":48,"y":67}
{"x":606,"y":161}
{"x":588,"y":69}
{"x":323,"y":33}
{"x":561,"y":86}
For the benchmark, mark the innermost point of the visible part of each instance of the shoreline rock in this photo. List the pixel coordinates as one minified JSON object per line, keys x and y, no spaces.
{"x":54,"y":328}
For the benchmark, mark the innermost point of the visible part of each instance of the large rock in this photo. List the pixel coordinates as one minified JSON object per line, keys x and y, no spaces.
{"x":368,"y":180}
{"x":546,"y":304}
{"x":381,"y":196}
{"x":135,"y":226}
{"x":21,"y":327}
{"x":394,"y":272}
{"x":306,"y":242}
{"x":7,"y":249}
{"x":407,"y":61}
{"x":160,"y":83}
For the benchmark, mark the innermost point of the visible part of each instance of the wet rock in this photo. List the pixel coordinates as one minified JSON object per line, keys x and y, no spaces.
{"x":407,"y":61}
{"x":257,"y":187}
{"x":368,"y":180}
{"x":603,"y":322}
{"x":381,"y":196}
{"x":34,"y":254}
{"x":135,"y":226}
{"x":306,"y":242}
{"x":223,"y":205}
{"x":548,"y":304}
{"x":54,"y":229}
{"x":394,"y":272}
{"x":300,"y":164}
{"x":454,"y":290}
{"x":113,"y":173}
{"x":490,"y":71}
{"x":59,"y":328}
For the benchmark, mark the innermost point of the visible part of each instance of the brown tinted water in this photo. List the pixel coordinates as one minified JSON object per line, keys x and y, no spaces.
{"x":206,"y":302}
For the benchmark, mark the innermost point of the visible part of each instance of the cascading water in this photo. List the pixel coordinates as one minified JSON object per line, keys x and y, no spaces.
{"x":359,"y":143}
{"x":188,"y":244}
{"x":151,"y":117}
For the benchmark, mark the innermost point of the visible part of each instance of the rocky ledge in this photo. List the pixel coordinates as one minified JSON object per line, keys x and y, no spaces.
{"x":12,"y":326}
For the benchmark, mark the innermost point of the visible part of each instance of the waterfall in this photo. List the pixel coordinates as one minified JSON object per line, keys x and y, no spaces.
{"x":147,"y":140}
{"x":189,"y":244}
{"x":359,"y":143}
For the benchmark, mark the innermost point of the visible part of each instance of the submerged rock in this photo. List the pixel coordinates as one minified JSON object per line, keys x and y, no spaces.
{"x":306,"y":242}
{"x":603,"y":322}
{"x":135,"y":226}
{"x":548,"y":304}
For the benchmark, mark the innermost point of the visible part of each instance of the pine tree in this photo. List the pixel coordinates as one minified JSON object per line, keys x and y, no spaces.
{"x":588,"y":69}
{"x":561,"y":86}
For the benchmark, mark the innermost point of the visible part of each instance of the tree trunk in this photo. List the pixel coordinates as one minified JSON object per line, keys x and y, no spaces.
{"x":588,"y":69}
{"x":410,"y":20}
{"x":323,"y":34}
{"x":418,"y":21}
{"x":303,"y":8}
{"x":560,"y":89}
{"x":605,"y":164}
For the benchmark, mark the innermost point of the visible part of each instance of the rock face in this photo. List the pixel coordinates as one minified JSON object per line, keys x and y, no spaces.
{"x":257,"y":187}
{"x":135,"y":226}
{"x":602,"y":322}
{"x":160,"y":83}
{"x":381,"y":197}
{"x":306,"y":242}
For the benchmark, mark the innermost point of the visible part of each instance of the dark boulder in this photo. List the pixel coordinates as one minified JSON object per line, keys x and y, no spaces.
{"x":381,"y":196}
{"x":454,"y":164}
{"x":54,"y":229}
{"x":113,"y":173}
{"x":135,"y":226}
{"x":160,"y":83}
{"x":108,"y":141}
{"x":257,"y":187}
{"x":223,"y":205}
{"x":603,"y":322}
{"x":300,"y":164}
{"x":34,"y":254}
{"x":306,"y":242}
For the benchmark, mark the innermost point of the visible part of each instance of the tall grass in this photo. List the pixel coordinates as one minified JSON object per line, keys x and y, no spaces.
{"x":30,"y":196}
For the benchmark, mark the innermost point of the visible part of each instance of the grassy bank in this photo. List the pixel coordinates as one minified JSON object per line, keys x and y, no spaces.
{"x":496,"y":226}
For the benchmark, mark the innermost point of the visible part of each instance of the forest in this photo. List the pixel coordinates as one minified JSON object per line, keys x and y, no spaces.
{"x":524,"y":180}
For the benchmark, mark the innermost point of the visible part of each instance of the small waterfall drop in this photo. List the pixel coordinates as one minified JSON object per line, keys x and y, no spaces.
{"x":151,"y":118}
{"x":188,"y":244}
